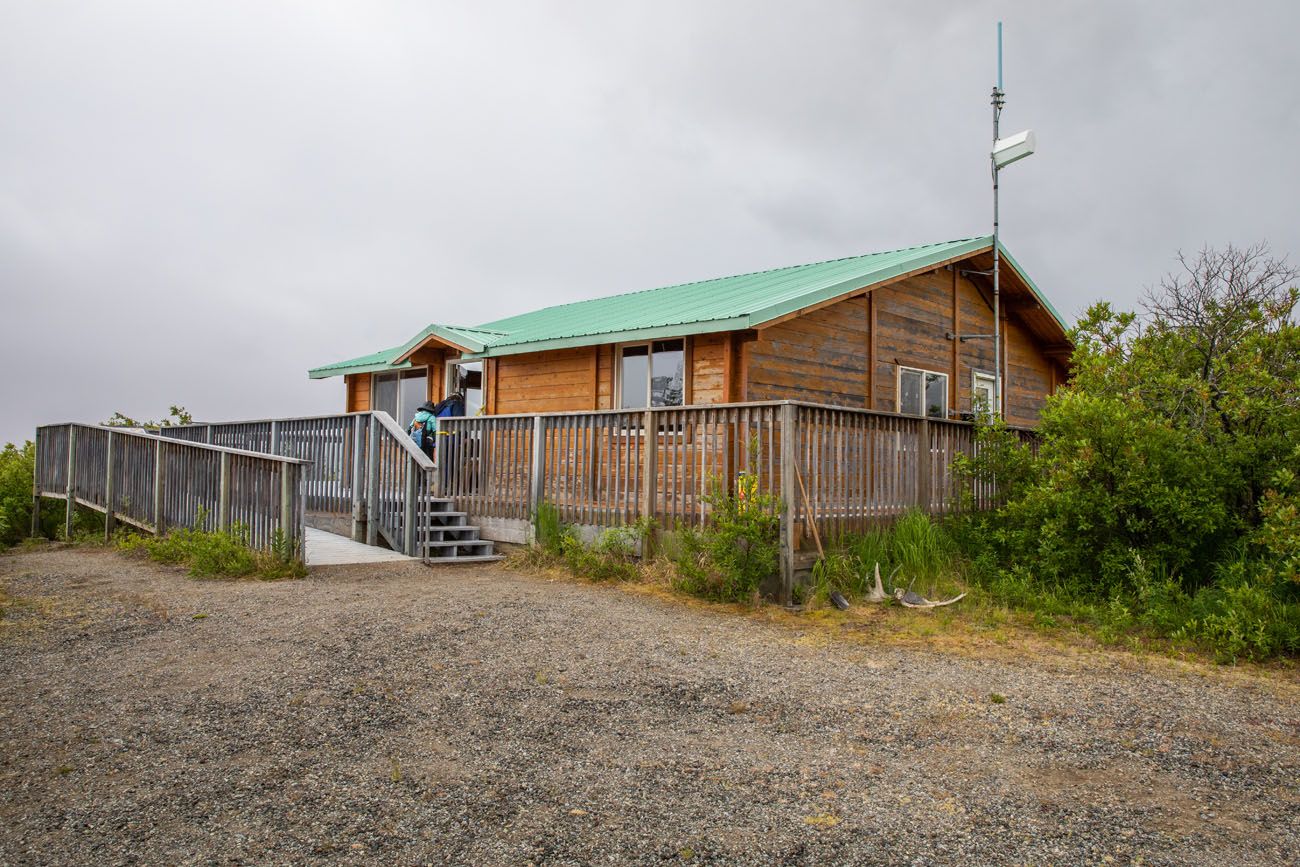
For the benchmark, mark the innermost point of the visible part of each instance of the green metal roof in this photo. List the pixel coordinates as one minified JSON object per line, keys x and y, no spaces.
{"x":721,"y":304}
{"x":374,"y":362}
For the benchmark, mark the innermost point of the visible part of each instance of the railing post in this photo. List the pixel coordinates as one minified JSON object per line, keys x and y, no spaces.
{"x":223,"y":497}
{"x":275,"y":437}
{"x":924,"y":468}
{"x":36,"y":487}
{"x":287,"y":525}
{"x":358,"y":482}
{"x":537,"y":469}
{"x":71,"y":492}
{"x":159,"y":479}
{"x":789,"y":494}
{"x":649,"y":472}
{"x":208,"y":436}
{"x":372,"y":484}
{"x":108,"y":489}
{"x":408,"y":516}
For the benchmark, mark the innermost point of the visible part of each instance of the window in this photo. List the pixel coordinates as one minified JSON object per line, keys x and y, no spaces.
{"x":922,"y":392}
{"x":981,"y":393}
{"x":652,"y":374}
{"x":467,"y":378}
{"x":398,"y":394}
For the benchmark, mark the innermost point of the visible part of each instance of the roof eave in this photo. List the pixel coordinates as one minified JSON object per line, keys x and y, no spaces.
{"x":379,"y":367}
{"x":656,"y":333}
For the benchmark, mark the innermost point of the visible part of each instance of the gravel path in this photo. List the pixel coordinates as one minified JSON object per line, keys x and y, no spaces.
{"x":396,"y":714}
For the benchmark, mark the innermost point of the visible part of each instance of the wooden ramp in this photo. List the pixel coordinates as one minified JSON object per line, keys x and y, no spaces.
{"x":328,"y":549}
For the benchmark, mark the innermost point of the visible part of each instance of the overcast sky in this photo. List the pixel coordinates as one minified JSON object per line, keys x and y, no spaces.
{"x":199,"y":201}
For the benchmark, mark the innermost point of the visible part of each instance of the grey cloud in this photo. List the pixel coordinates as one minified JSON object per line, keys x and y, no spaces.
{"x":199,"y":201}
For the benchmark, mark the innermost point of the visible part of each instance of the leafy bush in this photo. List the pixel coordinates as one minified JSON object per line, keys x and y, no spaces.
{"x":218,"y":553}
{"x":736,"y":552}
{"x":1163,"y":496}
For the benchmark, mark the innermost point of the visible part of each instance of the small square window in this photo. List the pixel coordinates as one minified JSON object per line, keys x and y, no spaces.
{"x":922,"y":392}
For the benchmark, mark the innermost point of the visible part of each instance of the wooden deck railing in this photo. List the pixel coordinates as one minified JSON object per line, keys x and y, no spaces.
{"x":156,"y":483}
{"x":363,"y":467}
{"x":839,"y":468}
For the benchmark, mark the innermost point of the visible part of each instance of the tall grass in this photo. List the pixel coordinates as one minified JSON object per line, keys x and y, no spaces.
{"x":915,"y":552}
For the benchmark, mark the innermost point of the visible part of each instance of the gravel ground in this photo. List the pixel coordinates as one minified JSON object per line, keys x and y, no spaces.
{"x":397,"y":714}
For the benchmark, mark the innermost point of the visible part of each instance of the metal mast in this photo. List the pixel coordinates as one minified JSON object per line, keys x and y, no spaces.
{"x":999,"y":98}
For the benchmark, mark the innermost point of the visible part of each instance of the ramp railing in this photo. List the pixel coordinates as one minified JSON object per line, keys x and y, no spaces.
{"x":363,"y":469}
{"x":156,"y":483}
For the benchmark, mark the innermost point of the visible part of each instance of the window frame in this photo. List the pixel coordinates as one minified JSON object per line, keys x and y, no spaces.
{"x":898,"y":391}
{"x":399,"y":375}
{"x":617,"y":367}
{"x":976,"y":375}
{"x":449,"y":380}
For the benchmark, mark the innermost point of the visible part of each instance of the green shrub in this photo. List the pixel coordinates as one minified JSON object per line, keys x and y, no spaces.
{"x":736,"y":551}
{"x":210,"y":553}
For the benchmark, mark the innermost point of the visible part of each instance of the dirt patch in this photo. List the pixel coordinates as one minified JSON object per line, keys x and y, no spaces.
{"x":394,"y":713}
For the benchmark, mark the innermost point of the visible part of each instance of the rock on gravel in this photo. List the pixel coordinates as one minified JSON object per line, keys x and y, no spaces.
{"x":398,"y":714}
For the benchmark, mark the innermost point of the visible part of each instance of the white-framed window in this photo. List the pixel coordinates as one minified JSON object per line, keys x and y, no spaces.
{"x":922,"y":392}
{"x":982,"y":388}
{"x":652,"y":374}
{"x":400,"y":392}
{"x":467,"y":378}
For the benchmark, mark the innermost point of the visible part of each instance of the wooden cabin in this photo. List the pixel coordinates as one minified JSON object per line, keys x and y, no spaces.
{"x":907,"y":331}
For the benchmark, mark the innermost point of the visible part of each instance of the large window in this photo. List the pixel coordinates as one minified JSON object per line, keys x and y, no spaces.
{"x":652,"y":374}
{"x":399,"y":394}
{"x":922,"y":392}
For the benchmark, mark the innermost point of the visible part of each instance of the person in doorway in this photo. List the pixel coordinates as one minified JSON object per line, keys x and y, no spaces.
{"x":424,"y":427}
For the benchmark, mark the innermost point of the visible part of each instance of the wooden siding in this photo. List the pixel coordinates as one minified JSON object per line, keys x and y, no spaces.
{"x":357,"y":386}
{"x":556,"y":381}
{"x":818,"y":357}
{"x":822,"y":356}
{"x":708,"y":373}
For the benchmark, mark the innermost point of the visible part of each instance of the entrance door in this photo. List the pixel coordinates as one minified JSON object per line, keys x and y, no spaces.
{"x":467,"y":378}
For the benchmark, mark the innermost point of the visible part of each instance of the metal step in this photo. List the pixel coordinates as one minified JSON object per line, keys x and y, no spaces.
{"x":455,"y":548}
{"x":471,"y":558}
{"x":458,"y":533}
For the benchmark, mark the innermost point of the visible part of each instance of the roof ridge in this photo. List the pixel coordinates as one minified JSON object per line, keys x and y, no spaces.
{"x":729,"y":277}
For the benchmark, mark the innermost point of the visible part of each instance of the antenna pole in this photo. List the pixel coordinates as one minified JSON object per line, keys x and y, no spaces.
{"x":999,"y":99}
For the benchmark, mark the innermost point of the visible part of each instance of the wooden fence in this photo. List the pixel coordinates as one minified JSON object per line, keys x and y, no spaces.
{"x":156,"y":483}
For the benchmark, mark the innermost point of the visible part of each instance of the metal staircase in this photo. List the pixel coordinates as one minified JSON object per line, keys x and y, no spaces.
{"x":448,"y":538}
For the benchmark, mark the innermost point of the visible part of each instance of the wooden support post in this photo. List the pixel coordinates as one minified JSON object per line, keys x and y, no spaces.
{"x":159,"y":480}
{"x":357,"y":484}
{"x":871,"y":349}
{"x":288,"y":472}
{"x":537,"y":470}
{"x":109,"y":492}
{"x":955,"y":381}
{"x":71,"y":492}
{"x":649,"y":473}
{"x":924,"y":466}
{"x":223,"y":495}
{"x":275,"y":437}
{"x":790,"y":498}
{"x":409,"y":512}
{"x":372,"y":484}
